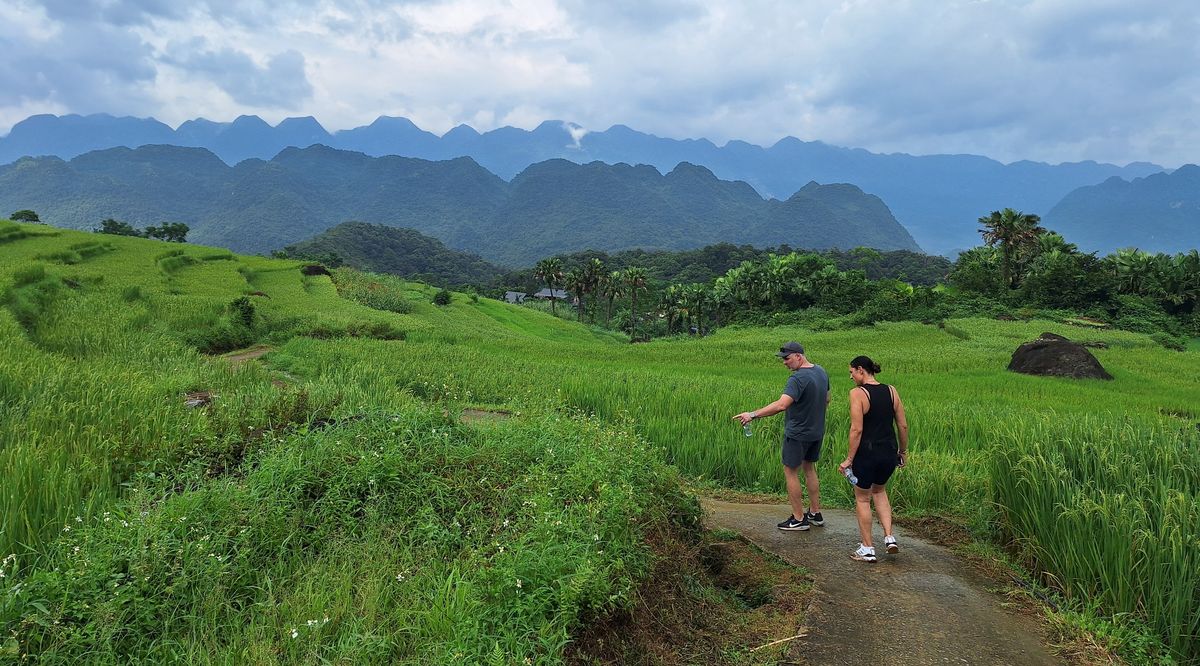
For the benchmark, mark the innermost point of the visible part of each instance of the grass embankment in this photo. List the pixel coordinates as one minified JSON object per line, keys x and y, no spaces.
{"x":1087,"y":480}
{"x":292,"y":520}
{"x":1093,"y":483}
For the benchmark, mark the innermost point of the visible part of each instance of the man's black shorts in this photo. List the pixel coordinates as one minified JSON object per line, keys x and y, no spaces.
{"x":796,"y":451}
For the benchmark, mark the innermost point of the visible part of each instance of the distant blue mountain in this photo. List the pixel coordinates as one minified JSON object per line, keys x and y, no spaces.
{"x":1158,"y":213}
{"x":552,"y":207}
{"x":938,"y":198}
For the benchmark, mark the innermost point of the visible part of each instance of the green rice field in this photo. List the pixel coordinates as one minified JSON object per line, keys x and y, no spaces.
{"x":1093,"y":485}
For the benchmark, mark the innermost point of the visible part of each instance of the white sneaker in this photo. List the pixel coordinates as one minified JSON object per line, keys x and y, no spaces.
{"x":863,"y":554}
{"x":890,"y":542}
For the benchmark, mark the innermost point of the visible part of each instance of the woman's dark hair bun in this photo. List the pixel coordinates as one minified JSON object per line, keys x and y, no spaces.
{"x":865,"y":363}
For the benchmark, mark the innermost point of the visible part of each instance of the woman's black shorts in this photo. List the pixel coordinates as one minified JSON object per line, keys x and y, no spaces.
{"x":874,"y":466}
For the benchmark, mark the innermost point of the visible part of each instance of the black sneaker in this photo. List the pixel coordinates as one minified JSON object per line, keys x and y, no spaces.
{"x":814,"y":518}
{"x":793,"y":525}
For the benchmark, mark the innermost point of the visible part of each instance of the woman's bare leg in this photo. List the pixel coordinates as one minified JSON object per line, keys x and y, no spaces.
{"x":862,"y":506}
{"x":883,"y":507}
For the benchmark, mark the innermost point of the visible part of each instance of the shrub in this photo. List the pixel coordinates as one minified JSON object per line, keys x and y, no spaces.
{"x":1142,"y":315}
{"x":1169,"y":341}
{"x":63,"y":257}
{"x":29,"y":275}
{"x":442,"y":297}
{"x":242,"y":311}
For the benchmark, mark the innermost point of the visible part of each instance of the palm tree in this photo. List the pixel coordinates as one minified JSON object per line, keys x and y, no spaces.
{"x":671,"y":304}
{"x":576,"y":283}
{"x":635,"y":280}
{"x":612,"y":290}
{"x":721,"y":296}
{"x":1135,"y":270}
{"x":1052,"y":240}
{"x":1186,"y":292}
{"x":549,"y":271}
{"x":595,"y":272}
{"x":1014,"y":232}
{"x":697,"y":300}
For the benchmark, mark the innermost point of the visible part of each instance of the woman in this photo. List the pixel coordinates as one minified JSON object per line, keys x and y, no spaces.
{"x":876,"y":415}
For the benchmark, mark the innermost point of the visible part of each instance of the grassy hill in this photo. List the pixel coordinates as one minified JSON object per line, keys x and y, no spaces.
{"x":333,"y":479}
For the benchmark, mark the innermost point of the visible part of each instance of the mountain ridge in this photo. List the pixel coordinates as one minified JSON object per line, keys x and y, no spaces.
{"x":552,"y":207}
{"x":1163,"y":207}
{"x":938,"y":198}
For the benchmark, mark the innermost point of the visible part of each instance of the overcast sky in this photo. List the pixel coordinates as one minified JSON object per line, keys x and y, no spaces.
{"x":1051,"y":80}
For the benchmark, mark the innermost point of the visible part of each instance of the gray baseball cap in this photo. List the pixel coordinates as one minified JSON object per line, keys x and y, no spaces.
{"x":790,"y":348}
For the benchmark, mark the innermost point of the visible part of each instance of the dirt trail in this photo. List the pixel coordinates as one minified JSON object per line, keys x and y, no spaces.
{"x":257,"y":351}
{"x":922,"y":606}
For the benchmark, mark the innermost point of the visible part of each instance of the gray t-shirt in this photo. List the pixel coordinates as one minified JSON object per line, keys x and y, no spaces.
{"x":809,"y":391}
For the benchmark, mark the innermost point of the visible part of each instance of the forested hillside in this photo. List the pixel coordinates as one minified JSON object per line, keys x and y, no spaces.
{"x":1158,"y":213}
{"x":551,"y":207}
{"x":403,"y":252}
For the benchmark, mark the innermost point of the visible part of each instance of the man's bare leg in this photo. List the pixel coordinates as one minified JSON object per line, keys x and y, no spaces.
{"x":813,"y":485}
{"x":795,"y":493}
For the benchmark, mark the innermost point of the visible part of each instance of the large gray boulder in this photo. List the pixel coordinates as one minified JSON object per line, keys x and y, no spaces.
{"x":1055,"y":356}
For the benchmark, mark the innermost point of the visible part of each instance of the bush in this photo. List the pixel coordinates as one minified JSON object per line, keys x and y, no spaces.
{"x":1143,"y":315}
{"x":442,"y":297}
{"x":224,"y":335}
{"x":1169,"y":341}
{"x":32,"y":293}
{"x":242,"y":311}
{"x":29,"y":275}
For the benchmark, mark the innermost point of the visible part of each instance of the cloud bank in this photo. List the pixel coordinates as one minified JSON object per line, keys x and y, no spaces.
{"x":1051,"y":80}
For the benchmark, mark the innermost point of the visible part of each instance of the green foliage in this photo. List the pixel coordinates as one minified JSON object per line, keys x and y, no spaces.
{"x":172,"y":232}
{"x":442,"y":297}
{"x":403,"y":252}
{"x":374,"y":291}
{"x":1141,"y":314}
{"x":25,"y":215}
{"x":32,"y":293}
{"x":386,"y":527}
{"x":96,"y":382}
{"x":116,"y":228}
{"x":11,"y":232}
{"x":242,"y":311}
{"x":1168,"y":341}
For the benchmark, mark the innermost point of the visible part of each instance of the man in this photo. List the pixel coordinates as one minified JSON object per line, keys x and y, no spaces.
{"x":805,"y":399}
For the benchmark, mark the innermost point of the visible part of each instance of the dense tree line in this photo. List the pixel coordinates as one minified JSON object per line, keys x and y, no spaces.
{"x":706,"y":264}
{"x":172,"y":232}
{"x":1020,"y":270}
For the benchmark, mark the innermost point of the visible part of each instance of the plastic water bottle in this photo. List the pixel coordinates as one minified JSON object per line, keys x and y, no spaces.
{"x":746,"y":429}
{"x":849,"y":473}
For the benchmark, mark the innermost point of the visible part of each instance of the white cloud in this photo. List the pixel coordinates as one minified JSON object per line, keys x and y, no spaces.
{"x":1054,"y":80}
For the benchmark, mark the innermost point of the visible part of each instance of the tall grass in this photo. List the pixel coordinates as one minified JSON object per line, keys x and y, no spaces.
{"x":1094,"y":482}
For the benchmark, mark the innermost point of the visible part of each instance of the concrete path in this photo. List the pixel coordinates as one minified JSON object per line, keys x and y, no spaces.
{"x":922,"y":606}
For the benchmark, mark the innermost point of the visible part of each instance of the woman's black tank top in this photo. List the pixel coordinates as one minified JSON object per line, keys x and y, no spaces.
{"x":879,"y":432}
